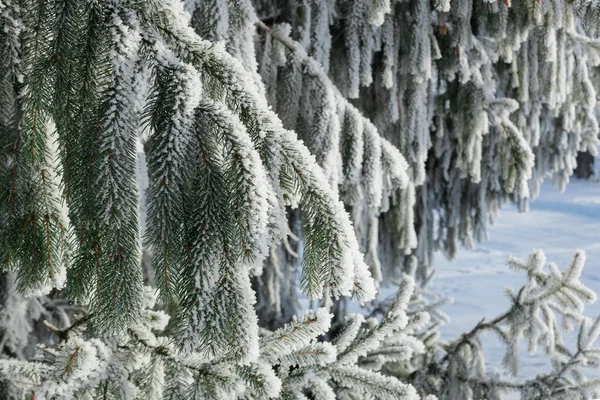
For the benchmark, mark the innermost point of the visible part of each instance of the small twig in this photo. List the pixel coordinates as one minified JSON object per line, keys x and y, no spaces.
{"x":63,"y":334}
{"x":51,"y":327}
{"x":286,"y":42}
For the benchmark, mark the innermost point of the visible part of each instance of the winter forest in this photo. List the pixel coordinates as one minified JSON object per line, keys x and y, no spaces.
{"x":247,"y":199}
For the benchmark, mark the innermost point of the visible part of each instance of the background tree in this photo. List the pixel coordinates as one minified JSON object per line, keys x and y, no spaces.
{"x":203,"y":147}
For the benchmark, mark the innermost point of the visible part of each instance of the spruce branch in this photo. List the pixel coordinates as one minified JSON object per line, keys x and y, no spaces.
{"x":362,"y":167}
{"x":532,"y":317}
{"x":282,"y":144}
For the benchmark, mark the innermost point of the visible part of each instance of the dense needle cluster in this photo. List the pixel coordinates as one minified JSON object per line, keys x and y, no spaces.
{"x":175,"y":174}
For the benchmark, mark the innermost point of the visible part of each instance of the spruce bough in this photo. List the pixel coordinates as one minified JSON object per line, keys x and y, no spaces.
{"x":173,"y":173}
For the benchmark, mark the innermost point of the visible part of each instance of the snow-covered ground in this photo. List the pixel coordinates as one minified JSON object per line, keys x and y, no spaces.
{"x":557,"y":223}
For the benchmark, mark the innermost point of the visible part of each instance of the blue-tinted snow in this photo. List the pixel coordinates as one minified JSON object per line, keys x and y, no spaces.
{"x":557,"y":223}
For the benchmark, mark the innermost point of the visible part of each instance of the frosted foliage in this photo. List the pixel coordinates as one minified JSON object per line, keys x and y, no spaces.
{"x":16,"y":316}
{"x":52,"y":178}
{"x":454,"y":84}
{"x":204,"y":243}
{"x":283,"y":147}
{"x":125,"y":102}
{"x":236,"y":155}
{"x":320,"y":40}
{"x":363,"y":166}
{"x":138,"y":363}
{"x":551,"y":302}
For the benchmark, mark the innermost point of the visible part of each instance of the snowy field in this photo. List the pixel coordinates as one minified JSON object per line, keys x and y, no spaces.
{"x":558,"y":223}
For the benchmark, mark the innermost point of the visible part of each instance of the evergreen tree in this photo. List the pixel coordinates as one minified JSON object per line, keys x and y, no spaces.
{"x":173,"y":174}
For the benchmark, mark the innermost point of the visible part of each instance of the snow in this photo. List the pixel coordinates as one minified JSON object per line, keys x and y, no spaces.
{"x":558,"y":224}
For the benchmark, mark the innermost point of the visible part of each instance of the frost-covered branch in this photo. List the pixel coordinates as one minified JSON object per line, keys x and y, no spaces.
{"x":141,"y":362}
{"x":551,"y":301}
{"x":372,"y":169}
